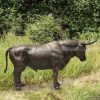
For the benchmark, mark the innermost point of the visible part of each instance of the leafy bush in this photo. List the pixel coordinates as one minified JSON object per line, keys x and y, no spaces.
{"x":45,"y":29}
{"x":75,"y":15}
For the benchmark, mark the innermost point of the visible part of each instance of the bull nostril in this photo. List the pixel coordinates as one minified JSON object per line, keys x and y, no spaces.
{"x":83,"y":59}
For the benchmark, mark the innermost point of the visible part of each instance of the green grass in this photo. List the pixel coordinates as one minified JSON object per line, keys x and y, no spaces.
{"x":74,"y":69}
{"x":66,"y":93}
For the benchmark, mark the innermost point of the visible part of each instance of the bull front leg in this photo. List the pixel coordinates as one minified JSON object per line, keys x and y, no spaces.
{"x":55,"y":75}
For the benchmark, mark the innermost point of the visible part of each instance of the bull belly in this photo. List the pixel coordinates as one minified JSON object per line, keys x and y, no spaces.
{"x":39,"y":67}
{"x":39,"y":64}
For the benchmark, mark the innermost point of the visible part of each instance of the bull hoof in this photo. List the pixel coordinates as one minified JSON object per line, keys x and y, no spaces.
{"x":57,"y":87}
{"x":21,"y":84}
{"x":18,"y":88}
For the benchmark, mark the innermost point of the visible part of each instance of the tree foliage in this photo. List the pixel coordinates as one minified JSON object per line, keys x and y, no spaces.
{"x":74,"y":15}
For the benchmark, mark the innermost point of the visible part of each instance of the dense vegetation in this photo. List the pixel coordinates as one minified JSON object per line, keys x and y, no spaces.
{"x":43,"y":21}
{"x":54,"y":19}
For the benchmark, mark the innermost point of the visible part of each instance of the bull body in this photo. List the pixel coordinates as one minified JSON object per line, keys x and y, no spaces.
{"x":54,"y":55}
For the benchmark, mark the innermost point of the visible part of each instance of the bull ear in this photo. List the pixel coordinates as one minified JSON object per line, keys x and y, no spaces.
{"x":80,"y":44}
{"x":78,"y":47}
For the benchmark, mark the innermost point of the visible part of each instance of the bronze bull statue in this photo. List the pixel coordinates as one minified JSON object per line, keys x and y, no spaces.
{"x":54,"y":55}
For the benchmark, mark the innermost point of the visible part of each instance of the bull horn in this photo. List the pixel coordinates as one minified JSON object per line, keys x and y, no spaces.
{"x":89,"y":42}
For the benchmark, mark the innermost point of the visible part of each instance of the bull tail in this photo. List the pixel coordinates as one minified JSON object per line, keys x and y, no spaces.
{"x":6,"y":56}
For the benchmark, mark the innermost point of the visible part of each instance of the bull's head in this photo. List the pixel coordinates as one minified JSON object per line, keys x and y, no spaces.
{"x":81,"y":49}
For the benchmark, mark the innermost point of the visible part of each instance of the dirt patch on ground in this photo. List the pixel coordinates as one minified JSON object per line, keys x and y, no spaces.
{"x":90,"y":79}
{"x":11,"y":94}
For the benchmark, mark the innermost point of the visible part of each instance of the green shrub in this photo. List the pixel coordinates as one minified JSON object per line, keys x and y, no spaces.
{"x":45,"y":29}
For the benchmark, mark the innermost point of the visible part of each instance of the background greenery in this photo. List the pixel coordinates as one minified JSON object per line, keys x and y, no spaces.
{"x":44,"y":21}
{"x":47,"y":20}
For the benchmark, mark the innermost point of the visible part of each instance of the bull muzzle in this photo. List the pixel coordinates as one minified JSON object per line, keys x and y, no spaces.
{"x":83,"y":59}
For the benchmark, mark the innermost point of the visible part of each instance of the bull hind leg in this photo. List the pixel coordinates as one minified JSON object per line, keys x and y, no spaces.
{"x":19,"y":77}
{"x":16,"y":75}
{"x":19,"y":81}
{"x":58,"y":84}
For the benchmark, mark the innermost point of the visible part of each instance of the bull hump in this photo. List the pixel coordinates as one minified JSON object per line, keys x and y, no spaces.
{"x":54,"y":46}
{"x":32,"y":51}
